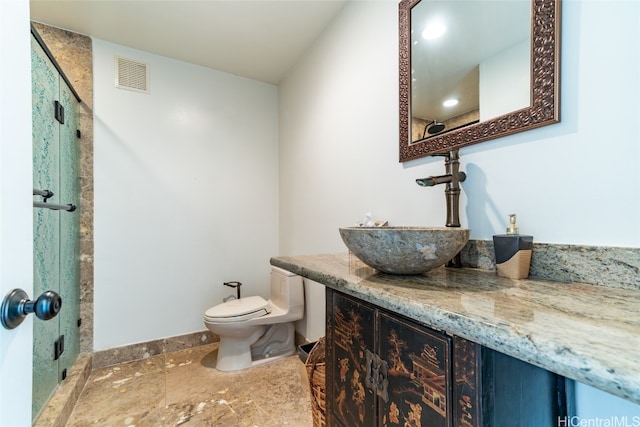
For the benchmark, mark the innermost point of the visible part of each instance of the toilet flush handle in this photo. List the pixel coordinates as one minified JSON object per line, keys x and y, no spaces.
{"x":235,"y":285}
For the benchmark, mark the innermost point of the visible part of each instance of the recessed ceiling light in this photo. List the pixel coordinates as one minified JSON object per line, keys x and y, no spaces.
{"x":434,"y":30}
{"x":450,"y":102}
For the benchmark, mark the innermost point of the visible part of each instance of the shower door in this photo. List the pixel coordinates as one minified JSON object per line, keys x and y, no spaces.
{"x":56,"y":233}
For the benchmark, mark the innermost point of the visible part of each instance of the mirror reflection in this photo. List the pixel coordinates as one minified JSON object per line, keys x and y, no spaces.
{"x":470,"y":62}
{"x":498,"y":62}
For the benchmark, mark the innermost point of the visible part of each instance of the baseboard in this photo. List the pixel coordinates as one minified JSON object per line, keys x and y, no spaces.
{"x":144,"y":350}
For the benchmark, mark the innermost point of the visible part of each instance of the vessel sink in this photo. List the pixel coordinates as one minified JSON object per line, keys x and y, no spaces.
{"x":404,"y":250}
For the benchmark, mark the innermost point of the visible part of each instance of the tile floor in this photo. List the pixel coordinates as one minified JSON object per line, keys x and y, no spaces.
{"x":184,"y":388}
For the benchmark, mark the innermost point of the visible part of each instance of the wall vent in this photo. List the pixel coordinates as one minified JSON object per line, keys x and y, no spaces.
{"x":132,"y":75}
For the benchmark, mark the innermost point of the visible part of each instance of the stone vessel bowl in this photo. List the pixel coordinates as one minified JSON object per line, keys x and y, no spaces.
{"x":404,"y":250}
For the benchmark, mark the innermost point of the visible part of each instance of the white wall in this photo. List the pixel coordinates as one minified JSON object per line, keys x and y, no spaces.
{"x":576,"y":182}
{"x":186,"y":195}
{"x":16,"y":209}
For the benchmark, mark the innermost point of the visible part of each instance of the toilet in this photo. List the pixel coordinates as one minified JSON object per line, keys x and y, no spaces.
{"x":252,"y":330}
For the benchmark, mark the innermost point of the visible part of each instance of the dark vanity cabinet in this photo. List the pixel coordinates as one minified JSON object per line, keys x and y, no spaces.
{"x":386,"y":370}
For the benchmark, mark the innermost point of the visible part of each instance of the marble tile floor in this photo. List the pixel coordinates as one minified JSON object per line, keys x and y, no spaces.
{"x":183,"y":388}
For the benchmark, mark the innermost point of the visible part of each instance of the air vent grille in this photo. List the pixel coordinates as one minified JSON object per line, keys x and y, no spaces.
{"x":132,"y":75}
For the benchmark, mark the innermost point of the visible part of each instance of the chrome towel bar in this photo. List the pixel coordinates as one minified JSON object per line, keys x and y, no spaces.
{"x":55,"y":207}
{"x":46,"y":194}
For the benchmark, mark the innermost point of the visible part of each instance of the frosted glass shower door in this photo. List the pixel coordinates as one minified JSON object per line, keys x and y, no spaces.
{"x":56,"y":238}
{"x":46,"y":222}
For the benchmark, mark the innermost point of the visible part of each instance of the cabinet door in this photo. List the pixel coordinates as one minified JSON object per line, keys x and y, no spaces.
{"x":350,"y":337}
{"x":418,"y":374}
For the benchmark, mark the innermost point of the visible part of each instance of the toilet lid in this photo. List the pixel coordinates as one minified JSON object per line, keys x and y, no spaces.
{"x":238,"y":309}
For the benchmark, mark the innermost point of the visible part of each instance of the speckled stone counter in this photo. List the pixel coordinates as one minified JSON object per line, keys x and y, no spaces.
{"x":584,"y":332}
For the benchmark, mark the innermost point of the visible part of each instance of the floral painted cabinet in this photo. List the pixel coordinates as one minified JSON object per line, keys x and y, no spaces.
{"x":384,"y":370}
{"x":350,"y":338}
{"x":417,"y":372}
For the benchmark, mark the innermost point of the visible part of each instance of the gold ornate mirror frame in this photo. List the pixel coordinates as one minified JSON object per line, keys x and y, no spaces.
{"x":545,"y":87}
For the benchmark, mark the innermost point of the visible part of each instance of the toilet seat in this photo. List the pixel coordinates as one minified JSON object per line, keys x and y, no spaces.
{"x":238,"y":310}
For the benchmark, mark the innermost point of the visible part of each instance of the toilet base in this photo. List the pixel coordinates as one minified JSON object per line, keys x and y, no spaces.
{"x":269,"y":344}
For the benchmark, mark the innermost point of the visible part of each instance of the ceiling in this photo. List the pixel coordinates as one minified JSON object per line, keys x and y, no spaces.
{"x":257,"y":39}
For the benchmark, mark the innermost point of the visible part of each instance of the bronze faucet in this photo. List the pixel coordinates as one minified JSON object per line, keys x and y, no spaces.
{"x":452,"y":178}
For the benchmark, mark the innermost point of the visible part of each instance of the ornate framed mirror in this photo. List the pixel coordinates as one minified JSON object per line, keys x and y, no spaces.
{"x":499,"y":60}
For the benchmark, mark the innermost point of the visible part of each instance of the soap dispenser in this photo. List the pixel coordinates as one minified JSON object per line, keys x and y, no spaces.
{"x":513,"y":252}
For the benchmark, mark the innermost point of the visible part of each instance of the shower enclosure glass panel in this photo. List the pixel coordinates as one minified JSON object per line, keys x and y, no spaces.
{"x":56,"y":233}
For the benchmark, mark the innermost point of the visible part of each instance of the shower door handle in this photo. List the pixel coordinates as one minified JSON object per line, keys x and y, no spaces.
{"x":16,"y":305}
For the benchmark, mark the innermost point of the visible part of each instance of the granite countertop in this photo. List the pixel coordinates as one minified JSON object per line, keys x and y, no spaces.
{"x":585,"y":332}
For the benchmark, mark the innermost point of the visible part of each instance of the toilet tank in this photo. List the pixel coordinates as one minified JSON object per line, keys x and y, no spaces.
{"x":287,"y":290}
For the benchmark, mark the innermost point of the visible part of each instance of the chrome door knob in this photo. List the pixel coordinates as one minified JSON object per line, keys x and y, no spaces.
{"x":16,"y":305}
